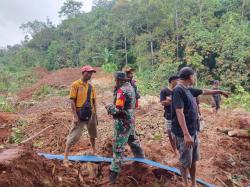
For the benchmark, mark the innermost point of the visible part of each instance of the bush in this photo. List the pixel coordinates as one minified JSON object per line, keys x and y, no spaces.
{"x":17,"y":132}
{"x":152,"y":80}
{"x":44,"y":91}
{"x":13,"y":81}
{"x":240,"y":98}
{"x":109,"y":67}
{"x":5,"y":106}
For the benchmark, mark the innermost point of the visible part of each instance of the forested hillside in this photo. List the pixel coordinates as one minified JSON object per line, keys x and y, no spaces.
{"x":156,"y":36}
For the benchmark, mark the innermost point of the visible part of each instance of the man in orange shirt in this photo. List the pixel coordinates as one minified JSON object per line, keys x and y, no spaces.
{"x":83,"y":105}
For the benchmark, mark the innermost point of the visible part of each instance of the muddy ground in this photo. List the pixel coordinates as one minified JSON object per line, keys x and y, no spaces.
{"x":225,"y":160}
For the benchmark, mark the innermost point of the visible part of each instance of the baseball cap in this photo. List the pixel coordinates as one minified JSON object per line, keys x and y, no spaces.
{"x":127,"y":69}
{"x":88,"y":68}
{"x":185,"y":73}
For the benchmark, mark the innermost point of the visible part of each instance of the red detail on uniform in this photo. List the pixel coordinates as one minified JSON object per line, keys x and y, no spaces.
{"x":137,"y":103}
{"x":120,"y":99}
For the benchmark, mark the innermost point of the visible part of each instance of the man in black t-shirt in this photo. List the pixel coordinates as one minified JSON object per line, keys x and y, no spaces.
{"x":166,"y":100}
{"x":216,"y":97}
{"x":184,"y":121}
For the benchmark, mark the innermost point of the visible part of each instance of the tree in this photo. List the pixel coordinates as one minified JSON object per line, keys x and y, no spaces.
{"x":70,"y":9}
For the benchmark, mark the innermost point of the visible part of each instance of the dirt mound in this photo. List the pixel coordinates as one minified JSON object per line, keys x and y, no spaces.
{"x":7,"y":118}
{"x":40,"y":72}
{"x":27,"y":169}
{"x":47,"y":104}
{"x":21,"y":166}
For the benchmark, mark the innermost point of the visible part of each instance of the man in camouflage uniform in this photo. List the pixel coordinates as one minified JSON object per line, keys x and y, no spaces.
{"x":130,"y":74}
{"x":123,"y":113}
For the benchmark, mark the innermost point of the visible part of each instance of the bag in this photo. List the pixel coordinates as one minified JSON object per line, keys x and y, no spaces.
{"x":85,"y":111}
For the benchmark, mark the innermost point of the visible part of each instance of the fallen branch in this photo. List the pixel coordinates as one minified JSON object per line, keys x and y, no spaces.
{"x":224,"y":184}
{"x":133,"y":179}
{"x":241,"y":133}
{"x":37,"y":134}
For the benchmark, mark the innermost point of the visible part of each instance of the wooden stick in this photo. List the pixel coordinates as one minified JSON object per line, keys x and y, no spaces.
{"x":34,"y":136}
{"x":221,"y":181}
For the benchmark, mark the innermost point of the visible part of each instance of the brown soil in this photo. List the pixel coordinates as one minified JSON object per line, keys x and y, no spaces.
{"x":222,"y":157}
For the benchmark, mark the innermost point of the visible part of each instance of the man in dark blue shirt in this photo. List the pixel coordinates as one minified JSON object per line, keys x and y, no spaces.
{"x":184,"y":121}
{"x":166,"y":100}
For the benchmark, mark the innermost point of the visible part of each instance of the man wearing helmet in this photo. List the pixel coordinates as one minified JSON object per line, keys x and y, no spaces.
{"x":123,"y":113}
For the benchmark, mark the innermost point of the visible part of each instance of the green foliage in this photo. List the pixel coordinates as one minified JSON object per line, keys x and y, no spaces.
{"x":12,"y":79}
{"x":38,"y":143}
{"x":17,"y":132}
{"x":47,"y":90}
{"x":212,"y":36}
{"x":5,"y":105}
{"x":70,"y":9}
{"x":240,"y":98}
{"x":109,"y":67}
{"x":153,"y":80}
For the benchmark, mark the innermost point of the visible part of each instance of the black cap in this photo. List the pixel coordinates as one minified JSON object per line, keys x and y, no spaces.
{"x":120,"y":75}
{"x":172,"y":78}
{"x":185,"y":73}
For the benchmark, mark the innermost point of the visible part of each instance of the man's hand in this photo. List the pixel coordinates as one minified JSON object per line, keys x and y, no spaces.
{"x":105,"y":104}
{"x":225,"y":94}
{"x":188,"y":141}
{"x":169,"y":99}
{"x":76,"y":119}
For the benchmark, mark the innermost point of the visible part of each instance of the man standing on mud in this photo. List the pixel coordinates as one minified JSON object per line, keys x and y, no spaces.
{"x":166,"y":100}
{"x":123,"y":113}
{"x":184,"y":122}
{"x":83,"y":105}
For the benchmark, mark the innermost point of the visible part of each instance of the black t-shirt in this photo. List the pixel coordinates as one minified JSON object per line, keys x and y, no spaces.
{"x":184,"y":98}
{"x":216,"y":97}
{"x":166,"y":92}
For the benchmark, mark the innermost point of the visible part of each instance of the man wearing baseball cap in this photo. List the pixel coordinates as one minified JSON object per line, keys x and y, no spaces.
{"x":83,"y":106}
{"x":185,"y":121}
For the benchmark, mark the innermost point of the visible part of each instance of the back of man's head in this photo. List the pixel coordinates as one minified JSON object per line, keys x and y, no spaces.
{"x":172,"y":78}
{"x":185,"y":73}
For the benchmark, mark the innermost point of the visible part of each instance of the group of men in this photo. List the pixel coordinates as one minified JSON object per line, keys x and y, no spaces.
{"x":181,"y":114}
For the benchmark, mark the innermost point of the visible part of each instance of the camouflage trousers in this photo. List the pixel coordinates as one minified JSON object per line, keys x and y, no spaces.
{"x":124,"y":134}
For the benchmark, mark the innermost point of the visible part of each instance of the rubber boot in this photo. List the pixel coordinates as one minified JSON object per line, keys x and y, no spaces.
{"x":112,"y":177}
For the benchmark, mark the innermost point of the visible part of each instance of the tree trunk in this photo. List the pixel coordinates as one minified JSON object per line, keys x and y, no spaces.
{"x":242,"y":9}
{"x":177,"y":30}
{"x":200,"y":9}
{"x":126,"y":53}
{"x":152,"y":52}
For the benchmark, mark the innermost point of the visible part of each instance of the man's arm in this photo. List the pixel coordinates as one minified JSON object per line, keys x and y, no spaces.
{"x":73,"y":96}
{"x":166,"y":102}
{"x":164,"y":98}
{"x":181,"y":119}
{"x":119,"y":104}
{"x":73,"y":109}
{"x":211,"y":92}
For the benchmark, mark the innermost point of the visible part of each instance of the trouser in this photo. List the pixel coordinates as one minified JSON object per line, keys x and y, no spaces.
{"x":124,"y":134}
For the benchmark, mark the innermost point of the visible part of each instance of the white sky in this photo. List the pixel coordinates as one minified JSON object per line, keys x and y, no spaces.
{"x":13,"y":13}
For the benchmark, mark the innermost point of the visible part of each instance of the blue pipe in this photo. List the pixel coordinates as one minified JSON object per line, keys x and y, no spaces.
{"x":79,"y":158}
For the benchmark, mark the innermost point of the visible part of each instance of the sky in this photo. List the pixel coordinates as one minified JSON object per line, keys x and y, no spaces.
{"x":13,"y":13}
